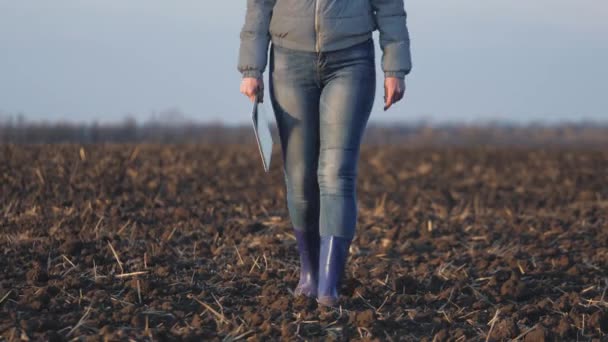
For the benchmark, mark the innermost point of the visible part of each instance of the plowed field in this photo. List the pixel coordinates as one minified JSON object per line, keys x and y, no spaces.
{"x":168,"y":242}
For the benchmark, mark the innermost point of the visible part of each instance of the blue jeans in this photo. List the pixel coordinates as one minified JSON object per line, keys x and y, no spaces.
{"x":322,"y":102}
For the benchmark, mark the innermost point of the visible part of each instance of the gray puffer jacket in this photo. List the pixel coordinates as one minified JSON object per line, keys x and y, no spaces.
{"x":322,"y":26}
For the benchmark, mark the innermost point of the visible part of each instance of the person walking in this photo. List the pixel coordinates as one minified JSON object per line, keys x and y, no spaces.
{"x":322,"y":82}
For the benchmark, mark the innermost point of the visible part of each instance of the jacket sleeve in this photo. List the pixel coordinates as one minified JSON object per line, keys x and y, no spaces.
{"x":391,"y":18}
{"x":255,"y":37}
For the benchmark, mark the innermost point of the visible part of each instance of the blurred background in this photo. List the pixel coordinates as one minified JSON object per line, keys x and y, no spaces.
{"x":158,"y":63}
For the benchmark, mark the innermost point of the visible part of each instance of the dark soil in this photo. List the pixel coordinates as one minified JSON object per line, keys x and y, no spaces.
{"x":189,"y":242}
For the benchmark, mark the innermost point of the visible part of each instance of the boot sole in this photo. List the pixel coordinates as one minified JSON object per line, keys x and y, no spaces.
{"x":299,"y":292}
{"x":328,"y":301}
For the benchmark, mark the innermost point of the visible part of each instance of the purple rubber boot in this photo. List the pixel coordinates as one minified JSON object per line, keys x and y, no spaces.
{"x":308,"y":247}
{"x":332,"y":261}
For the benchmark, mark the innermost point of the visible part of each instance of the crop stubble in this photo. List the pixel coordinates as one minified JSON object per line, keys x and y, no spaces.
{"x":188,"y":241}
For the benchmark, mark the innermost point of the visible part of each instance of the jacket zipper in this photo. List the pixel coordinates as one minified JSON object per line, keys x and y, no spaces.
{"x":317,"y":25}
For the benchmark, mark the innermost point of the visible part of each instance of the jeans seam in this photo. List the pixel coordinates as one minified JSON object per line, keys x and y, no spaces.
{"x":318,"y":69}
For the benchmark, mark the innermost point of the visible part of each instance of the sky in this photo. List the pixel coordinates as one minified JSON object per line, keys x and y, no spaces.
{"x":103,"y":60}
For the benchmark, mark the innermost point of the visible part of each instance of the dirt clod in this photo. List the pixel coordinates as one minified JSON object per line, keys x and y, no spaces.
{"x":505,"y":329}
{"x":539,"y":334}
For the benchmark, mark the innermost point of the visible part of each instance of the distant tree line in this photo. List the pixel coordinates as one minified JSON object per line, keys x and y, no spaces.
{"x":21,"y":131}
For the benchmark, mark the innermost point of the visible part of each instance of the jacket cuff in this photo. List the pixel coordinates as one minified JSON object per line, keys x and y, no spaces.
{"x":252,"y":73}
{"x":398,"y":74}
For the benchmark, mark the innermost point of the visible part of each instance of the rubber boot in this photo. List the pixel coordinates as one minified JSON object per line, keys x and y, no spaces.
{"x":332,"y":261}
{"x":308,"y":247}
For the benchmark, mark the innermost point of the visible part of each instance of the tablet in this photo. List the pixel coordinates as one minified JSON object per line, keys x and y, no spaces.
{"x":263,"y":135}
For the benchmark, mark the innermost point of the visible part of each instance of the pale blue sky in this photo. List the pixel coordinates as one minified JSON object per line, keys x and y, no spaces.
{"x":519,"y":60}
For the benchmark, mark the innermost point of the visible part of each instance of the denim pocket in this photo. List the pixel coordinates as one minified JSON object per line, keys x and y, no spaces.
{"x":281,"y":58}
{"x":287,"y":63}
{"x":362,"y":52}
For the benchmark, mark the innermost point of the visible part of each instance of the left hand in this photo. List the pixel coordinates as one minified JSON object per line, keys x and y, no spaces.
{"x":394,"y":89}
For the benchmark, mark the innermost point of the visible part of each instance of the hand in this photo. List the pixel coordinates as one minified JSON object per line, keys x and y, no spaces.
{"x":251,"y":86}
{"x":394,"y":89}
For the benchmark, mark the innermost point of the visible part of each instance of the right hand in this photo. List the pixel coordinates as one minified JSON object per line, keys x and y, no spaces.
{"x":251,"y":86}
